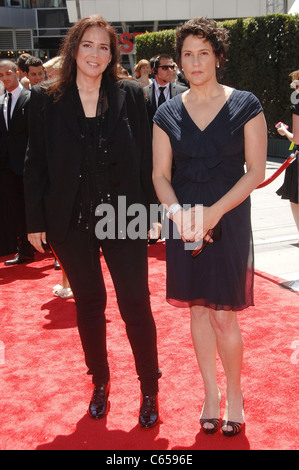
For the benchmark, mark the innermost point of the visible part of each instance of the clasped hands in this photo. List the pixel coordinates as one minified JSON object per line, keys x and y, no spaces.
{"x":194,"y":224}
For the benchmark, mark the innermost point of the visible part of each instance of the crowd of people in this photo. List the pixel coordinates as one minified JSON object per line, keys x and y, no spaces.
{"x":187,"y":139}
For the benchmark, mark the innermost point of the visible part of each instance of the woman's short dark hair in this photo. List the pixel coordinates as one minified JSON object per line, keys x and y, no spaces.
{"x":207,"y":29}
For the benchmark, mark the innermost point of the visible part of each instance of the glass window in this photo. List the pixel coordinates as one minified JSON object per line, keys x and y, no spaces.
{"x":53,"y":19}
{"x":52,"y":32}
{"x":48,"y":3}
{"x":14,"y":3}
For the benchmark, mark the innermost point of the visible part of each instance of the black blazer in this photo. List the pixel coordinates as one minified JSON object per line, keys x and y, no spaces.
{"x":151,"y":106}
{"x":13,"y":143}
{"x":56,"y":146}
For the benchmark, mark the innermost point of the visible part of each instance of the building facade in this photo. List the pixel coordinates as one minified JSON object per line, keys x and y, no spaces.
{"x":38,"y":26}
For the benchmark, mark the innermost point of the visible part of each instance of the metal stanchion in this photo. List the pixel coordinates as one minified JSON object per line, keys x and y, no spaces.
{"x":293,"y":285}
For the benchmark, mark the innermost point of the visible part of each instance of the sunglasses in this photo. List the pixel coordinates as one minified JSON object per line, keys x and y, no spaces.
{"x":166,"y":67}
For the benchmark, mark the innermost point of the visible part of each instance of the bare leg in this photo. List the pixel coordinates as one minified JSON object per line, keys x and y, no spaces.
{"x":64,"y":290}
{"x":204,"y":342}
{"x":295,"y":211}
{"x":230,"y":347}
{"x":65,"y":282}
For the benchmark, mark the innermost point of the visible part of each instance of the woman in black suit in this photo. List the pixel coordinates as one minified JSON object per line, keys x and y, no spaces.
{"x":89,"y":144}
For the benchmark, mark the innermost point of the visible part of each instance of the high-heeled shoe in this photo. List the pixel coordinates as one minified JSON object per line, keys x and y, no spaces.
{"x":236,"y":427}
{"x":149,"y":411}
{"x":63,"y":292}
{"x":213,"y":421}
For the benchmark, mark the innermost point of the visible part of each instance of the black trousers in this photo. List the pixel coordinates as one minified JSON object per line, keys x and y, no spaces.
{"x":127,"y":263}
{"x":12,"y":195}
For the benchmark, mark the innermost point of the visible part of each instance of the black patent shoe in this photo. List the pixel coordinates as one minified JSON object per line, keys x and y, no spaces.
{"x":149,"y":411}
{"x":57,"y":265}
{"x":19,"y":259}
{"x":99,"y":405}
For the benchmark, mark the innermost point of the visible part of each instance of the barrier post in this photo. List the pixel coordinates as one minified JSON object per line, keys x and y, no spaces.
{"x":294,"y":285}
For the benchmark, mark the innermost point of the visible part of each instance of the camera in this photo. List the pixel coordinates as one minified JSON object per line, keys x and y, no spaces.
{"x":279,"y":124}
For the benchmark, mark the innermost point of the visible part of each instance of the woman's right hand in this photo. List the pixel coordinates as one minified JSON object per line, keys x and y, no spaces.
{"x":194,"y":224}
{"x":190,"y":223}
{"x":37,"y":240}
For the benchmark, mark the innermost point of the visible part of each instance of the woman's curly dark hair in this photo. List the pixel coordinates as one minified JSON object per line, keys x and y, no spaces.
{"x":207,"y":29}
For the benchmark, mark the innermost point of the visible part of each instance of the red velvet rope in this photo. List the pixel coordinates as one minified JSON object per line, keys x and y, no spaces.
{"x":278,"y":171}
{"x":268,"y":181}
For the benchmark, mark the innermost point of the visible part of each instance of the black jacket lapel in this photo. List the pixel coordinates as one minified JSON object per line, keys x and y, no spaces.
{"x":22,"y":101}
{"x":70,"y":114}
{"x":67,"y":107}
{"x":153,"y":98}
{"x":150,"y":96}
{"x":116,"y":98}
{"x":2,"y":120}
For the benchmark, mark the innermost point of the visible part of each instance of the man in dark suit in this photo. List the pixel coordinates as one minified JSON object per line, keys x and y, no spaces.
{"x":13,"y":144}
{"x":162,"y":88}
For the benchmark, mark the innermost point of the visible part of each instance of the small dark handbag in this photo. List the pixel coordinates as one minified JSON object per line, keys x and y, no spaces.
{"x":214,"y":233}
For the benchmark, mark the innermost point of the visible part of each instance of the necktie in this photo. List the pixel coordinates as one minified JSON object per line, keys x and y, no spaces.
{"x":8,"y":109}
{"x":161,"y":98}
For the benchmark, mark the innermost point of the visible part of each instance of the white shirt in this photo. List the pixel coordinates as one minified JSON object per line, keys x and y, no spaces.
{"x":157,"y":91}
{"x":14,"y":98}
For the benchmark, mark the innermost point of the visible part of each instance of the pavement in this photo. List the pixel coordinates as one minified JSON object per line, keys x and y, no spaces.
{"x":275,"y":234}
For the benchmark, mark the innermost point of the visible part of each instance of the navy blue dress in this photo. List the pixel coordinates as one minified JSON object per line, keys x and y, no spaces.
{"x":208,"y":164}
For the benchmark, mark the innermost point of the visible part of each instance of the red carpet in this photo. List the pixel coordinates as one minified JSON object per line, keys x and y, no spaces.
{"x":45,"y":390}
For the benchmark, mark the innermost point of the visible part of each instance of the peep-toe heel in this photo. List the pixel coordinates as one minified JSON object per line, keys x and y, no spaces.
{"x":213,"y":421}
{"x":236,"y":427}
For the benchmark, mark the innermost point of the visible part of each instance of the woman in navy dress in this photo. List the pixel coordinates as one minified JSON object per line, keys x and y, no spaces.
{"x":211,"y":131}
